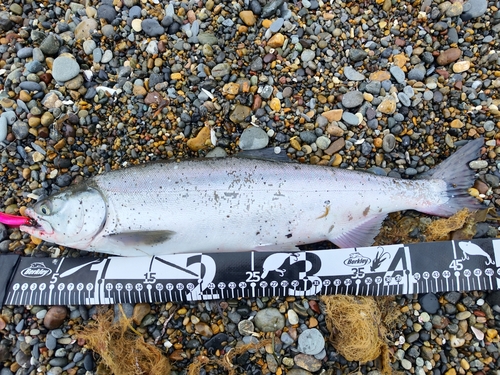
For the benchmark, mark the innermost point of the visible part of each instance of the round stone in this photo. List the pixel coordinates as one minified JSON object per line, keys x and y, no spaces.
{"x":106,"y":12}
{"x":311,"y":341}
{"x":307,"y":55}
{"x":20,"y":129}
{"x":397,"y":73}
{"x":65,"y":68}
{"x":269,"y":320}
{"x":389,"y":143}
{"x":350,"y":118}
{"x":417,"y":73}
{"x":55,"y":317}
{"x":323,"y":142}
{"x":293,"y":318}
{"x":137,"y":25}
{"x":478,"y":164}
{"x":253,"y":138}
{"x":152,"y":28}
{"x":352,"y":99}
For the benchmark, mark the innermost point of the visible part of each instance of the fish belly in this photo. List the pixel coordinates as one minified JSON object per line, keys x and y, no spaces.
{"x":238,"y":204}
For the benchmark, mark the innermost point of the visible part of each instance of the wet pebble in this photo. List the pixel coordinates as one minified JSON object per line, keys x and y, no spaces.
{"x":151,"y":27}
{"x":311,"y":341}
{"x":352,"y":99}
{"x":65,"y":68}
{"x":55,"y":317}
{"x":269,"y":320}
{"x":429,"y":303}
{"x":353,"y":75}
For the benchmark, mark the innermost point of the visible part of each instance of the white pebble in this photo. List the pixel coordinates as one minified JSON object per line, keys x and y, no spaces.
{"x":406,"y":364}
{"x":137,"y":25}
{"x":456,"y":342}
{"x":293,"y":318}
{"x":478,"y":333}
{"x":3,"y":128}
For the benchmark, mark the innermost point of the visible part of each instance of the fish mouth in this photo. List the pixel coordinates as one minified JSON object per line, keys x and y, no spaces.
{"x":37,"y":226}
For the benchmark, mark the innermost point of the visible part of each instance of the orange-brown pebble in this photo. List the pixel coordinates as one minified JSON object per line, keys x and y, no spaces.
{"x":448,"y":56}
{"x":140,"y":311}
{"x":380,"y":75}
{"x":200,"y":141}
{"x":275,"y":104}
{"x":267,"y":23}
{"x":276,"y":40}
{"x":333,"y":114}
{"x":55,"y":317}
{"x":248,"y":17}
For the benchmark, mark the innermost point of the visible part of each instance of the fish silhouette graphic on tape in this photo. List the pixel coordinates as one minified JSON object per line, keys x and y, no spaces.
{"x":241,"y":204}
{"x":469,"y":248}
{"x":274,"y":261}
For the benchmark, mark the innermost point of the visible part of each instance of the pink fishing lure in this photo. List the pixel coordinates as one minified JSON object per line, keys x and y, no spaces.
{"x":14,"y":220}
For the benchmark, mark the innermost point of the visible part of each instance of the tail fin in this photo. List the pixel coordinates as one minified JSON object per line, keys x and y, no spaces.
{"x":458,"y":177}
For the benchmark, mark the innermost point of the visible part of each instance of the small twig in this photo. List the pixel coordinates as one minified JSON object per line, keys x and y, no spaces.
{"x":165,"y":323}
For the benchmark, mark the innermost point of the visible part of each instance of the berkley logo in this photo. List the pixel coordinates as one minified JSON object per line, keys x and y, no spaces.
{"x":36,"y":270}
{"x":356,"y":260}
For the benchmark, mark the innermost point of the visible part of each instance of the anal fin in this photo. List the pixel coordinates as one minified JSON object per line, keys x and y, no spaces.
{"x":362,"y":235}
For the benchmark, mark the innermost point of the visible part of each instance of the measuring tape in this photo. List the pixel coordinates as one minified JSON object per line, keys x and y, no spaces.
{"x":375,"y":271}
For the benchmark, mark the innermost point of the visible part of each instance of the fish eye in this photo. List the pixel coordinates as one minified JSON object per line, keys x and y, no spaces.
{"x":45,"y":209}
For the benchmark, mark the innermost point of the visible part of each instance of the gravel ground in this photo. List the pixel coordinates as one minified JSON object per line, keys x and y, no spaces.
{"x":388,"y":86}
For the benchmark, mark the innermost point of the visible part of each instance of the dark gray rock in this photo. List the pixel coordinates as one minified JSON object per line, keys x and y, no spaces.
{"x":63,"y":180}
{"x":255,"y":7}
{"x":50,"y":45}
{"x":256,"y":65}
{"x":34,"y":66}
{"x":30,"y":86}
{"x":106,"y":12}
{"x":308,"y":137}
{"x":417,"y":73}
{"x":216,"y":342}
{"x":357,"y":55}
{"x":5,"y":23}
{"x":152,"y":28}
{"x":352,"y":99}
{"x":373,"y":87}
{"x":475,"y":8}
{"x":134,"y":12}
{"x":25,"y":52}
{"x":20,"y":129}
{"x":270,"y":8}
{"x":429,"y":303}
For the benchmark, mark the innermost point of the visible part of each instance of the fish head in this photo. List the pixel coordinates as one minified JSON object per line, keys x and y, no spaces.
{"x":72,"y":217}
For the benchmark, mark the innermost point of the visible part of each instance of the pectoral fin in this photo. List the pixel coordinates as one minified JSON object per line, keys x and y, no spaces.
{"x":362,"y":235}
{"x":138,"y":238}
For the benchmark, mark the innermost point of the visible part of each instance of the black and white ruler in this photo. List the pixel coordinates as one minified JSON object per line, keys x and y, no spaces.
{"x":375,"y":271}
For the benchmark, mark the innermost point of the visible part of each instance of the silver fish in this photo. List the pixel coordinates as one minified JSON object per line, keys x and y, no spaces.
{"x":239,"y":204}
